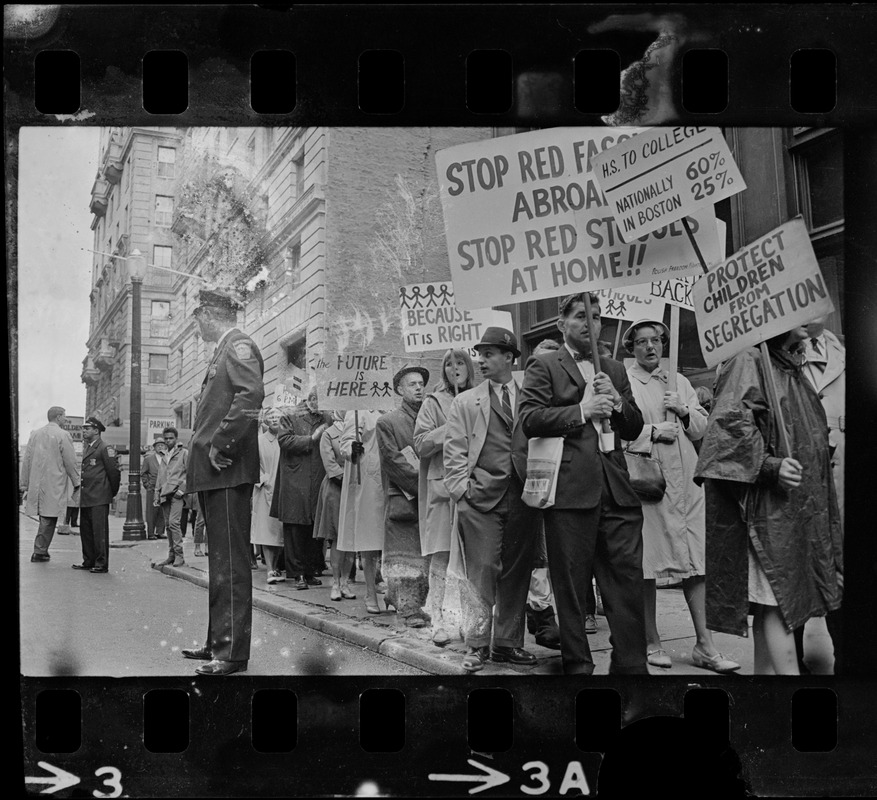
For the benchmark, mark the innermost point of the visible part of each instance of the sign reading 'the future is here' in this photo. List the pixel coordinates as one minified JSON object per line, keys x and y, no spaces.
{"x":767,"y":288}
{"x":355,"y":381}
{"x":525,"y":220}
{"x":665,"y":174}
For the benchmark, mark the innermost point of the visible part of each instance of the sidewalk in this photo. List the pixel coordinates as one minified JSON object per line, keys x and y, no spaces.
{"x":382,"y":633}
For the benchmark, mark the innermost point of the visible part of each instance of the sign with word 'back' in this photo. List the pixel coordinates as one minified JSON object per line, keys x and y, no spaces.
{"x":665,"y":174}
{"x":767,"y":288}
{"x":525,"y":220}
{"x":432,"y":321}
{"x":355,"y":381}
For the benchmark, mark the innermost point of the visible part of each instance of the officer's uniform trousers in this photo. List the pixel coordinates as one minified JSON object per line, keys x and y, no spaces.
{"x":226,"y":514}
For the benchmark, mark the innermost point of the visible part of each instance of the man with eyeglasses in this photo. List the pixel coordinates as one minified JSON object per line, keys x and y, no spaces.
{"x":100,"y":483}
{"x":595,"y":524}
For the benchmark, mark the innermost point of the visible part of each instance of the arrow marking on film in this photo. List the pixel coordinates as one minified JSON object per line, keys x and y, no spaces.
{"x":60,"y":779}
{"x":488,"y":780}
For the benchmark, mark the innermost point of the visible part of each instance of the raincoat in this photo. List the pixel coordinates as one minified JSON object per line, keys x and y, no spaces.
{"x":795,"y":534}
{"x":48,"y":462}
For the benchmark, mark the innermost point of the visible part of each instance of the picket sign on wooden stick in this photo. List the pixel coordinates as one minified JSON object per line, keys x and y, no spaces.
{"x":605,"y":427}
{"x":765,"y":357}
{"x":617,"y":341}
{"x":356,"y":423}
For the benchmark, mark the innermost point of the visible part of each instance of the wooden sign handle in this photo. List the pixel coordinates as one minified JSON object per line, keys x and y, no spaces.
{"x":356,"y":423}
{"x":595,"y":353}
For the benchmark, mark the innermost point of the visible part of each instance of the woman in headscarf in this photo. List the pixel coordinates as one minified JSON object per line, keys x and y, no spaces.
{"x":673,"y":527}
{"x":434,"y":505}
{"x":774,"y":539}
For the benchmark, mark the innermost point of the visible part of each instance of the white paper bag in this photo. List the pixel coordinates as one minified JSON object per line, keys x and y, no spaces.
{"x":543,"y":465}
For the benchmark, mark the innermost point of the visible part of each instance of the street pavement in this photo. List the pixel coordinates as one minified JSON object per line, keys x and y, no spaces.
{"x":134,"y":621}
{"x":133,"y":601}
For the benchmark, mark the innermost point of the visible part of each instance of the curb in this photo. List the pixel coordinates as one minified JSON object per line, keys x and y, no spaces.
{"x":420,"y":654}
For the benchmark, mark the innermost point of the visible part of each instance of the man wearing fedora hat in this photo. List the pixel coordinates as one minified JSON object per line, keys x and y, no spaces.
{"x":485,"y":456}
{"x":595,"y":524}
{"x":100,"y":483}
{"x":403,"y":566}
{"x":223,"y":468}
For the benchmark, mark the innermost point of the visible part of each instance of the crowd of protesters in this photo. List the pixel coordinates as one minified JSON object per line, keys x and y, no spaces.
{"x":428,"y":502}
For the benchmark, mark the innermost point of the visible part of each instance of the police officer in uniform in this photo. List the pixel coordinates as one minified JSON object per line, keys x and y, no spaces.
{"x":223,"y":467}
{"x":100,"y":482}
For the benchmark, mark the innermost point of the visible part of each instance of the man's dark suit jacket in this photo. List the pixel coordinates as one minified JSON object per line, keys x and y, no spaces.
{"x":553,"y":388}
{"x":227,"y":416}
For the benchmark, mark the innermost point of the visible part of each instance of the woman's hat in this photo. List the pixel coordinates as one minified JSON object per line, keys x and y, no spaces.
{"x":627,"y":341}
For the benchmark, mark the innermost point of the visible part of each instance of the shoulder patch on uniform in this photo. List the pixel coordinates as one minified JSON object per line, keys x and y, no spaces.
{"x":244,"y":349}
{"x":111,"y":452}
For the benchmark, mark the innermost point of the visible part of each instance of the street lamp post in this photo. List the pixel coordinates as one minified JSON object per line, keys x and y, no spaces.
{"x":134,"y":527}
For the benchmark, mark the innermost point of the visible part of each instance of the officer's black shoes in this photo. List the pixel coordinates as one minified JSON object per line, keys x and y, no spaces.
{"x":222,"y":667}
{"x":200,"y":653}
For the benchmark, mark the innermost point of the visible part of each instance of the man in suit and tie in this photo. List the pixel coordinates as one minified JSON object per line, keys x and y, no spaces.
{"x":825,"y":367}
{"x":595,"y":524}
{"x":223,"y":468}
{"x":485,"y":457}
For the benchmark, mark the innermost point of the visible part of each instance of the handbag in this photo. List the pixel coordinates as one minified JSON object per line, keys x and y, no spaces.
{"x":646,"y":476}
{"x":543,"y":464}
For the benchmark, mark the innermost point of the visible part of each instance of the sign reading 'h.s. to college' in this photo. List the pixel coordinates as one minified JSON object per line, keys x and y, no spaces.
{"x":665,"y":174}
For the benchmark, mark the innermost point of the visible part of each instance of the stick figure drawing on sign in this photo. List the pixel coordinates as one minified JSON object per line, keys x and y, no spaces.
{"x":403,"y":297}
{"x":385,"y":392}
{"x":446,"y":294}
{"x":415,"y":297}
{"x":376,"y":389}
{"x":430,"y":295}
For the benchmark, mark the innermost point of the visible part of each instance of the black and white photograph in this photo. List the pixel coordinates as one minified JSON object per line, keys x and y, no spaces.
{"x":429,"y":404}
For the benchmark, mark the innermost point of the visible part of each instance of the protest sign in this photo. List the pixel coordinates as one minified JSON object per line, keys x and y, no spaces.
{"x":665,"y":174}
{"x":768,"y":287}
{"x":155,"y":426}
{"x":432,"y":321}
{"x":629,"y":305}
{"x":282,"y":397}
{"x":525,"y":220}
{"x":355,"y":381}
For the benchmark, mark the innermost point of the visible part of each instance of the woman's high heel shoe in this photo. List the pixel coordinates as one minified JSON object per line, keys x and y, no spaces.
{"x":372,"y":608}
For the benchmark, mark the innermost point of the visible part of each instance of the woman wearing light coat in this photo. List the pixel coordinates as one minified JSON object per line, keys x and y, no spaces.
{"x":674,"y":530}
{"x":434,"y":505}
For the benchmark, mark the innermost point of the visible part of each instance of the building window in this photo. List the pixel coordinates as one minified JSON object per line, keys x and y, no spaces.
{"x":161,"y":255}
{"x":164,"y":210}
{"x":157,"y":368}
{"x":159,"y":323}
{"x":167,"y":157}
{"x":292,"y":266}
{"x":298,"y":174}
{"x":819,"y":173}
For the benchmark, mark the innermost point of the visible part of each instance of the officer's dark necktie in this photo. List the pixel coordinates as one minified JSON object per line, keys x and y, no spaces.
{"x":506,"y":402}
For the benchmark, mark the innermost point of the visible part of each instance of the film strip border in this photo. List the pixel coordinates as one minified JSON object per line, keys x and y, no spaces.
{"x":402,"y":65}
{"x":428,"y":738}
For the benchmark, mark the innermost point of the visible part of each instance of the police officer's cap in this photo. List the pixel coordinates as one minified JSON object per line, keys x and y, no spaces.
{"x":214,"y":298}
{"x":96,"y":423}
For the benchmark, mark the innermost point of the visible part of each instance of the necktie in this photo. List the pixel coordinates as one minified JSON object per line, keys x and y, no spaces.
{"x":815,"y":343}
{"x":506,"y":402}
{"x":580,"y":357}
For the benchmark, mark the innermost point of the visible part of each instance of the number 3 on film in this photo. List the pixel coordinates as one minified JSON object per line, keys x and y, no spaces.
{"x":114,"y":782}
{"x":573,"y":778}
